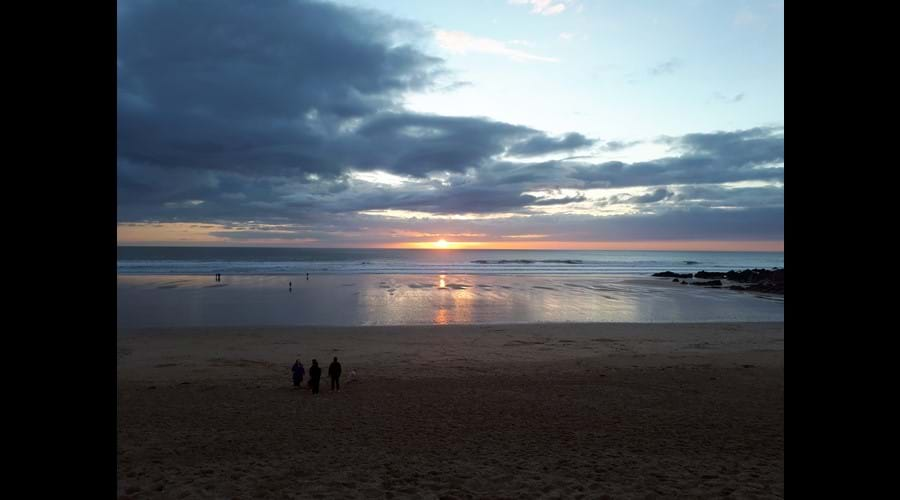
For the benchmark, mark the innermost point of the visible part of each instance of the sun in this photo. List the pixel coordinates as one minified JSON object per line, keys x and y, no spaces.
{"x":441,"y":244}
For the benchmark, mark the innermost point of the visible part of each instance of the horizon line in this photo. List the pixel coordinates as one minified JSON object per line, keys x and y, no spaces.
{"x":720,"y":246}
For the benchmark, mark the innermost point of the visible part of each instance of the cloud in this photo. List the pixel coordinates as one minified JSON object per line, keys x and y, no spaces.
{"x":619,"y":145}
{"x":541,"y":144}
{"x":699,"y":224}
{"x":666,"y":67}
{"x":286,"y":119}
{"x":416,"y":144}
{"x":231,"y":85}
{"x":735,"y":98}
{"x":754,"y":154}
{"x":543,"y":7}
{"x":460,"y":42}
{"x":559,"y":201}
{"x":657,"y":195}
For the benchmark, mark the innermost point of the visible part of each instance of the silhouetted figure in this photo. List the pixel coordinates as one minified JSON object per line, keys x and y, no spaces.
{"x":315,"y":373}
{"x":307,"y":276}
{"x":298,"y":373}
{"x":290,"y":286}
{"x":334,"y":371}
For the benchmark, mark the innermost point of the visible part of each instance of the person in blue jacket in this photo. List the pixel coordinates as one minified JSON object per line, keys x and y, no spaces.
{"x":298,"y":373}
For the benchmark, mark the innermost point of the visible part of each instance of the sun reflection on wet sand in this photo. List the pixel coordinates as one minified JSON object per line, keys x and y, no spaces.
{"x":442,"y":284}
{"x":441,"y":317}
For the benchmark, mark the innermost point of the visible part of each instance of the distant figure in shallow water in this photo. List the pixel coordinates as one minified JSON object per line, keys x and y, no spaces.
{"x":315,"y":373}
{"x":298,"y":373}
{"x":307,"y":276}
{"x":334,"y":372}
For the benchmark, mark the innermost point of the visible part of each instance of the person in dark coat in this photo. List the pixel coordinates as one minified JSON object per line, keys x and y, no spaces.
{"x":298,"y":373}
{"x":334,"y":371}
{"x":315,"y":373}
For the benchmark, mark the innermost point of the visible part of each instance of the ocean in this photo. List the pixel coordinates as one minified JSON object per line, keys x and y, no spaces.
{"x":296,"y":261}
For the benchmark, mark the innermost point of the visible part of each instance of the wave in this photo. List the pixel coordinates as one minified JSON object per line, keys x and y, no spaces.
{"x":527,"y":261}
{"x":269,"y":262}
{"x":547,"y":267}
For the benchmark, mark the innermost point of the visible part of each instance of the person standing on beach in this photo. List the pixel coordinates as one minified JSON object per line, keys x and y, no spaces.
{"x":298,"y":373}
{"x":315,"y":373}
{"x":334,"y":371}
{"x":307,"y":276}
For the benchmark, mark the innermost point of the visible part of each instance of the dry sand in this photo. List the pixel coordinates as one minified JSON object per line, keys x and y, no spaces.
{"x":486,"y":411}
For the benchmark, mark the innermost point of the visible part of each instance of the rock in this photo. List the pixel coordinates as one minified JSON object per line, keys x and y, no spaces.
{"x":710,"y":276}
{"x":755,"y":275}
{"x":670,"y":274}
{"x":758,"y":280}
{"x":675,"y":280}
{"x":709,"y":283}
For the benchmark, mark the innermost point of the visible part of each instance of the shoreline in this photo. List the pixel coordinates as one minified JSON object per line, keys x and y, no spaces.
{"x":344,"y":300}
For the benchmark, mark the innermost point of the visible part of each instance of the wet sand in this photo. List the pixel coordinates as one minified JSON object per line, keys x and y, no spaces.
{"x":482,"y":411}
{"x":379,"y":299}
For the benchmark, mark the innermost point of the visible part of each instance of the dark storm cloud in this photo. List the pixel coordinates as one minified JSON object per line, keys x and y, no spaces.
{"x":541,"y":144}
{"x":415,"y":144}
{"x":286,"y":89}
{"x":239,"y":85}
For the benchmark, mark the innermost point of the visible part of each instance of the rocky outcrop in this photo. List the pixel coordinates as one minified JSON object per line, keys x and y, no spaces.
{"x":753,"y":280}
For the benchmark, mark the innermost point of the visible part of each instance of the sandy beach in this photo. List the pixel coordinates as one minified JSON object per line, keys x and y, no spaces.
{"x":482,"y":411}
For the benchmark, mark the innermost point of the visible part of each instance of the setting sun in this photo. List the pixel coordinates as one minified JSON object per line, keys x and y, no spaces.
{"x":441,"y":244}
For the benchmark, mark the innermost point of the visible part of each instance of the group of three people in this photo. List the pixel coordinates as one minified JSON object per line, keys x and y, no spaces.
{"x":315,"y":373}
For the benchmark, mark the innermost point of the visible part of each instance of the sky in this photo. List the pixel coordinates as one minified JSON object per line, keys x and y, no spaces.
{"x":587,"y":124}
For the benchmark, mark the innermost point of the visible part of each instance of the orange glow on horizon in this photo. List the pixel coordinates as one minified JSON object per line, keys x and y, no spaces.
{"x":704,"y":245}
{"x":188,"y":234}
